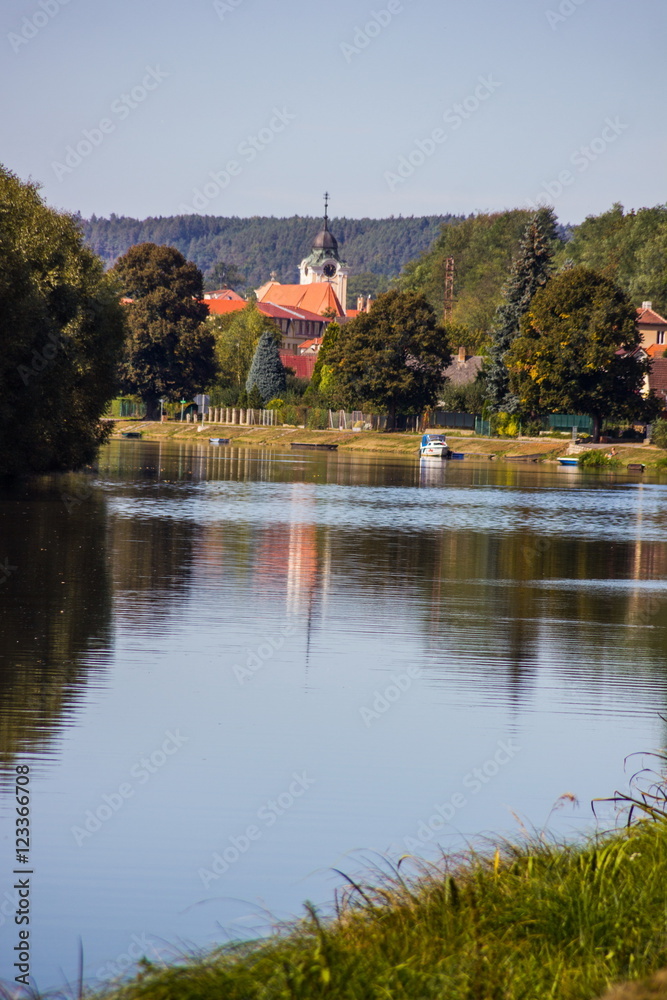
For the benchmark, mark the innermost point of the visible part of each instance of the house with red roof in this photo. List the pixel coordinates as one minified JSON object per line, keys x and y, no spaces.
{"x":302,"y":365}
{"x":318,"y":297}
{"x":657,"y":379}
{"x":224,"y":293}
{"x":310,"y":346}
{"x":296,"y":325}
{"x":652,"y":329}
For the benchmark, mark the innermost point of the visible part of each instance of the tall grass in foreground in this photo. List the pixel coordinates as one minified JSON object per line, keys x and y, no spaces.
{"x":523,"y":922}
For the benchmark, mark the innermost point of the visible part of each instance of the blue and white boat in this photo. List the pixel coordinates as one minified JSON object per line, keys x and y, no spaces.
{"x":434,"y":446}
{"x":567,"y":460}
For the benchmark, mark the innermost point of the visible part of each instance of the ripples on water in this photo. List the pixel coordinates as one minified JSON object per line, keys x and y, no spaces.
{"x":531,"y":601}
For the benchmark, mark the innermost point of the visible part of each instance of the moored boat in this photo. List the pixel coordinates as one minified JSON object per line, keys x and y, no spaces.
{"x":434,"y":446}
{"x":568,"y":461}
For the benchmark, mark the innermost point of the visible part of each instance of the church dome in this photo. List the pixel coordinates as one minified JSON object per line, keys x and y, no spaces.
{"x":325,"y":241}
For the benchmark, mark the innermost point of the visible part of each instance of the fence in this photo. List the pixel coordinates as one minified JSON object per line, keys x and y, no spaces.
{"x":566,"y":421}
{"x":242,"y":415}
{"x":461,"y":421}
{"x":313,"y":418}
{"x":126,"y":407}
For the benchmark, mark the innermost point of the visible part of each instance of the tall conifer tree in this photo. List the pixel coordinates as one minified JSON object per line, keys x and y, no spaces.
{"x":531,"y":270}
{"x":267,"y":371}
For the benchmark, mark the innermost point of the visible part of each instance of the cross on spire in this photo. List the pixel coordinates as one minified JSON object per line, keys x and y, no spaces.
{"x":326,"y":205}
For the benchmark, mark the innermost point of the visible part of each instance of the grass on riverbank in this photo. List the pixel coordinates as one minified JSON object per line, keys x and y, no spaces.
{"x":405,"y":444}
{"x":526,"y":922}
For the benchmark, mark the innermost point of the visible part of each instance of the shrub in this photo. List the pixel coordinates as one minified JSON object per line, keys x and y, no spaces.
{"x":533,"y":428}
{"x":596,"y":458}
{"x":290,"y":415}
{"x":317,"y":419}
{"x":505,"y":425}
{"x":659,"y":433}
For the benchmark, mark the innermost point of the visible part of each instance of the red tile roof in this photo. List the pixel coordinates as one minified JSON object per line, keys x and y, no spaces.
{"x":317,"y":298}
{"x":646,"y":317}
{"x":219,"y":307}
{"x":283,"y":312}
{"x":303,"y":364}
{"x":315,"y":342}
{"x":657,"y":380}
{"x":223,"y":293}
{"x":655,"y":350}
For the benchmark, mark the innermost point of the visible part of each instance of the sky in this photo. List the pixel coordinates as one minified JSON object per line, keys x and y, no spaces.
{"x":398,"y":107}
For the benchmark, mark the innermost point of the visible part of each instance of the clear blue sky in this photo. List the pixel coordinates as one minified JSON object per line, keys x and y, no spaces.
{"x":329,"y":106}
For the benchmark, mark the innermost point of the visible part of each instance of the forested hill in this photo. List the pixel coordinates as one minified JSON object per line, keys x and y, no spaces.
{"x":260,"y":245}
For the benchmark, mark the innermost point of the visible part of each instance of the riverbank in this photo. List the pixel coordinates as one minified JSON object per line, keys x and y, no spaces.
{"x":519,"y":923}
{"x":528,"y":449}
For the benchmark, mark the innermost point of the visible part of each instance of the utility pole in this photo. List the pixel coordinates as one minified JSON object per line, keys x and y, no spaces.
{"x":449,"y":289}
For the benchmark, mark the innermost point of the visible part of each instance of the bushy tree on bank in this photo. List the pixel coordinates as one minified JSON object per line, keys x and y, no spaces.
{"x":267,"y":374}
{"x":236,"y":337}
{"x":170,"y":350}
{"x":322,"y":369}
{"x":393,"y":357}
{"x":531,"y":269}
{"x":62,"y":334}
{"x":567,"y":360}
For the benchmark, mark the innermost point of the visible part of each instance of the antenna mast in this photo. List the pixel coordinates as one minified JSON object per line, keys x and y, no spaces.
{"x":449,"y":288}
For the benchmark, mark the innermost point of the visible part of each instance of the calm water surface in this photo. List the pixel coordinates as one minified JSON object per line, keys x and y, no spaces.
{"x":233,"y":670}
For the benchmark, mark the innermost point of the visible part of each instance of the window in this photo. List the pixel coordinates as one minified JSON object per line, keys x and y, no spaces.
{"x":661,"y":337}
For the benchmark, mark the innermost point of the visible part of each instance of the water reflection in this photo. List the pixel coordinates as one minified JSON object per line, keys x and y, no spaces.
{"x":55,"y":611}
{"x":533,"y":602}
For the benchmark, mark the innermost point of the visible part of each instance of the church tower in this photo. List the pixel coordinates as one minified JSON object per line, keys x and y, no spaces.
{"x":324,"y":263}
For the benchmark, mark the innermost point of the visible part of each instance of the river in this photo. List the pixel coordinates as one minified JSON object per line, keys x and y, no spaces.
{"x":231,"y":671}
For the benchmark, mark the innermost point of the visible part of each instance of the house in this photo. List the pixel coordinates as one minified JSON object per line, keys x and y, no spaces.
{"x":296,"y":325}
{"x":318,"y":297}
{"x":464,"y":368}
{"x":657,"y":380}
{"x":310,"y":346}
{"x":652,"y":329}
{"x":224,"y":293}
{"x":302,"y":365}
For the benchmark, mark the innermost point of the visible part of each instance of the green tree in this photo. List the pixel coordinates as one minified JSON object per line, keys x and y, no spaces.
{"x":567,"y":358}
{"x":392,"y":357}
{"x":366,"y":283}
{"x":483,"y":247}
{"x":266,"y":374}
{"x":62,"y":335}
{"x":170,"y":350}
{"x":467,"y":398}
{"x":224,"y":275}
{"x":329,"y":338}
{"x":236,"y":337}
{"x":531,"y":270}
{"x":627,"y":247}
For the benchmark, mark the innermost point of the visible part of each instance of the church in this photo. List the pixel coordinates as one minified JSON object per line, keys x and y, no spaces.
{"x":322,"y":287}
{"x":303,"y":311}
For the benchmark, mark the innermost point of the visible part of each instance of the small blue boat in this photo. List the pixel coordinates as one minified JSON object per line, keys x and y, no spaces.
{"x":568,"y":461}
{"x":219,"y":440}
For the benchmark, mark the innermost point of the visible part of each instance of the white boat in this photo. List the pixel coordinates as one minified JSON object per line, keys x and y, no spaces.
{"x":434,"y":446}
